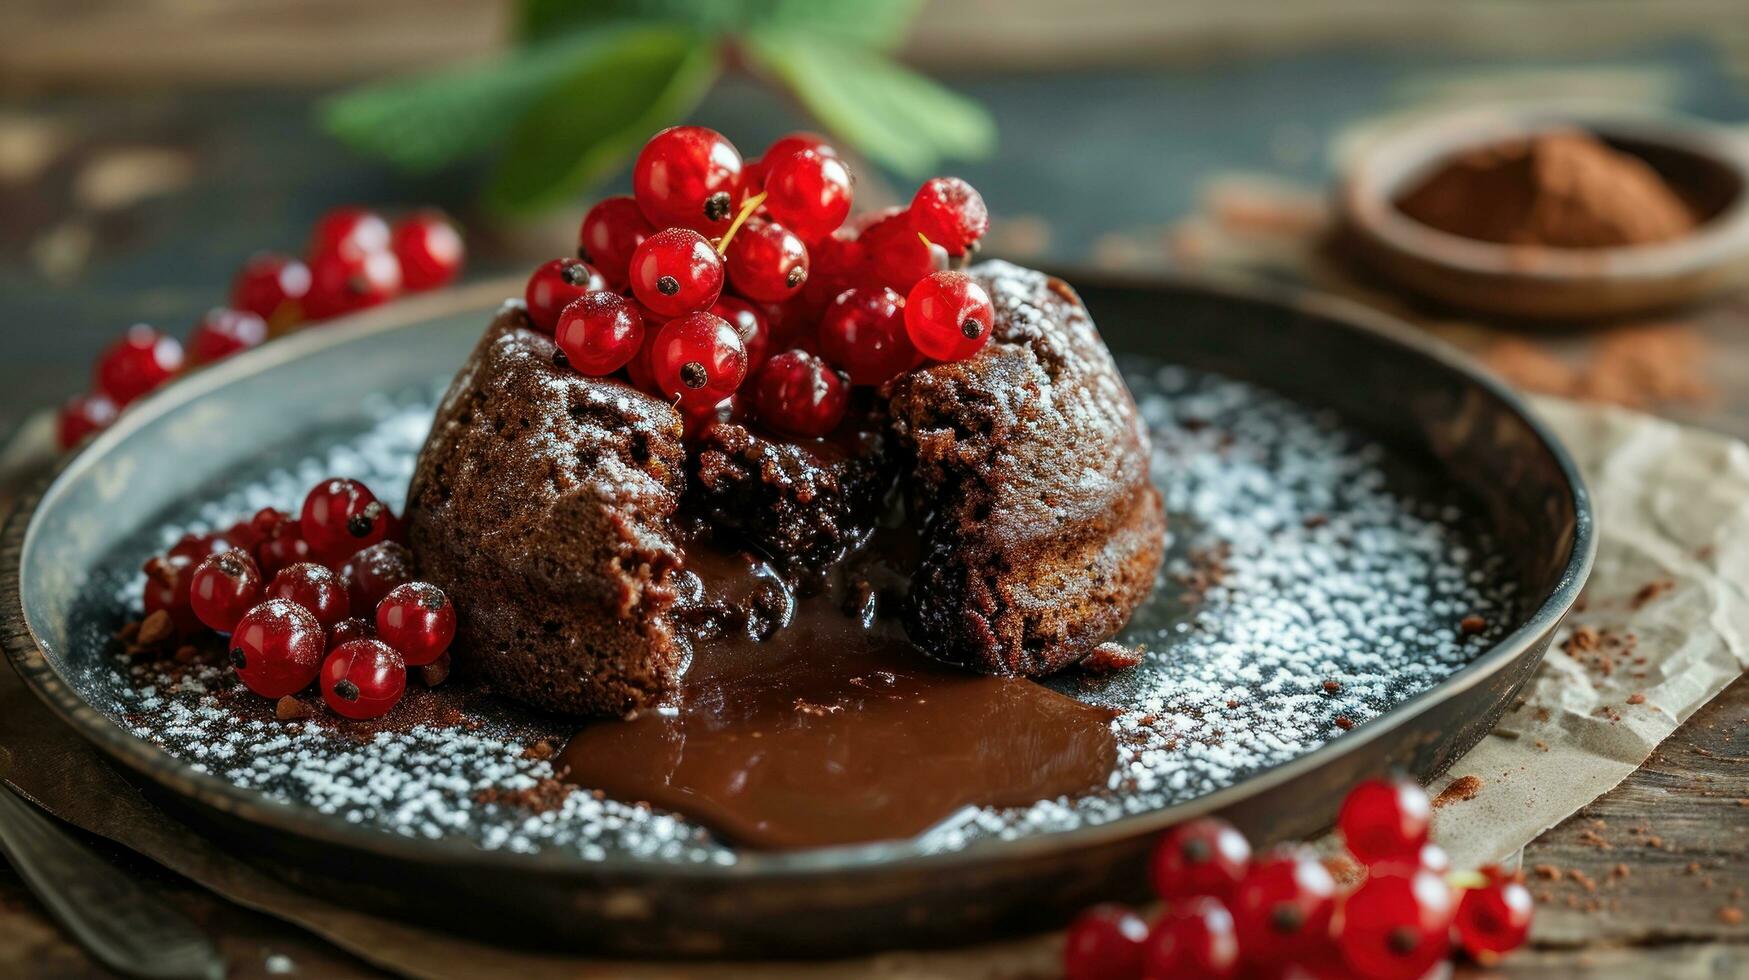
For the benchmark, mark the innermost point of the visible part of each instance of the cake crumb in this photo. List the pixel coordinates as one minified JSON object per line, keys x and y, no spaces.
{"x":1472,"y":624}
{"x":1109,"y":658}
{"x":1731,"y":915}
{"x":1636,"y":699}
{"x":155,"y":629}
{"x":1649,"y":592}
{"x":540,"y":751}
{"x":290,"y":708}
{"x":1344,"y":722}
{"x":1461,"y":789}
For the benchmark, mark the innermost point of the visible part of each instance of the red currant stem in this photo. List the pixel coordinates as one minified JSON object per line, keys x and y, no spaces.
{"x":1466,"y":880}
{"x":926,"y":242}
{"x":747,"y":209}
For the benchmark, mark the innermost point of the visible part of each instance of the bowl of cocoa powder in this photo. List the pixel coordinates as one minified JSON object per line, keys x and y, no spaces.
{"x":1545,"y":214}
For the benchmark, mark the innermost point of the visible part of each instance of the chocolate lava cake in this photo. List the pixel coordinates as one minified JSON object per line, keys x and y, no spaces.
{"x":558,"y":509}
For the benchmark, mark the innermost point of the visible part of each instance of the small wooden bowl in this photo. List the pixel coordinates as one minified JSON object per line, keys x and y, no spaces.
{"x":1706,"y":165}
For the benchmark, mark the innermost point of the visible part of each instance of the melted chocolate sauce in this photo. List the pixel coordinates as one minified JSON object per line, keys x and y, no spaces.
{"x":834,"y":729}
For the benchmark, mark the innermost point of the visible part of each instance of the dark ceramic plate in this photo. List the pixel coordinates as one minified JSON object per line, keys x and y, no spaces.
{"x":1343,"y":493}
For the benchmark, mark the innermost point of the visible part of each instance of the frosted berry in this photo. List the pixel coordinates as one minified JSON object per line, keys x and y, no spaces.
{"x":808,"y":192}
{"x":340,"y":517}
{"x":1494,"y":918}
{"x":81,"y":416}
{"x":363,"y":679}
{"x":1282,"y":907}
{"x":1192,"y":940}
{"x":863,"y":332}
{"x":688,"y":176}
{"x":1106,"y":942}
{"x":223,"y":332}
{"x":346,"y":282}
{"x":316,"y":588}
{"x":170,"y":579}
{"x":1385,"y":819}
{"x":948,"y":212}
{"x":429,"y":248}
{"x":140,"y":361}
{"x":695,"y":421}
{"x":556,"y":285}
{"x":349,"y":629}
{"x":1396,"y":924}
{"x":1205,"y":856}
{"x":599,"y":333}
{"x":638,"y":368}
{"x":895,"y":257}
{"x":374,"y":572}
{"x":677,"y":271}
{"x":698,"y":359}
{"x":277,"y":648}
{"x":281,"y":543}
{"x":273,"y":287}
{"x":418,"y":620}
{"x":350,"y":232}
{"x":612,"y":230}
{"x":766,"y":262}
{"x":750,"y":324}
{"x":948,"y":316}
{"x":223,"y":587}
{"x":799,"y":394}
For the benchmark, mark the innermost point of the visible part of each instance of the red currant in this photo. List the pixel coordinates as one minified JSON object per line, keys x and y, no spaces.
{"x":1192,"y":940}
{"x":140,"y":361}
{"x":375,"y":571}
{"x":895,"y":257}
{"x":277,"y":648}
{"x":767,"y":262}
{"x":694,"y":422}
{"x":599,"y":333}
{"x":1396,"y":924}
{"x":948,"y":316}
{"x":349,"y":629}
{"x":1282,"y":907}
{"x":1205,"y":856}
{"x":1385,"y":820}
{"x":698,"y":359}
{"x":81,"y":416}
{"x":273,"y":287}
{"x":556,"y":285}
{"x":612,"y":230}
{"x":1106,"y":942}
{"x":223,"y":332}
{"x":1494,"y":918}
{"x":638,"y":368}
{"x":799,"y":394}
{"x":352,"y":232}
{"x":863,"y":332}
{"x":687,"y":176}
{"x":340,"y":517}
{"x":808,"y":192}
{"x":430,"y":249}
{"x":753,"y":172}
{"x":316,"y":588}
{"x":282,"y":542}
{"x":223,"y":587}
{"x":418,"y":620}
{"x":345,"y":282}
{"x":675,"y":272}
{"x":750,"y":324}
{"x":363,"y":679}
{"x":948,"y":212}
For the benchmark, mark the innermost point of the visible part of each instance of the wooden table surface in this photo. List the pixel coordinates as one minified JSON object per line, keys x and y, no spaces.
{"x":120,"y":207}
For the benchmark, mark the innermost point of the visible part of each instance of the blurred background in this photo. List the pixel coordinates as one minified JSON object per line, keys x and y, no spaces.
{"x":148,"y":147}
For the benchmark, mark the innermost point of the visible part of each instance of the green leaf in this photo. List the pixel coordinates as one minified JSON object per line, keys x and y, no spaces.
{"x":888,"y":112}
{"x":589,"y":122}
{"x":866,"y":23}
{"x":423,"y":124}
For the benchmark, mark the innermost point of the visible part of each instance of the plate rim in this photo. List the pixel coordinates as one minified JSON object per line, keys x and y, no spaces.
{"x":24,"y":648}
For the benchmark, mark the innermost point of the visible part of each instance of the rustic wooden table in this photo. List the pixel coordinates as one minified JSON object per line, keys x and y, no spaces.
{"x":139,"y":206}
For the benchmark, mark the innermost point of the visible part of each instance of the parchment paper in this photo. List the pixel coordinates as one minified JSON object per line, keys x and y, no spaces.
{"x":1673,"y":507}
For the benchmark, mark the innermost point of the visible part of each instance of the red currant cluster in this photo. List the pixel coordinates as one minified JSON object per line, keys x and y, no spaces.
{"x":1282,"y":914}
{"x":355,"y":260}
{"x":290,"y":592}
{"x":715,"y":271}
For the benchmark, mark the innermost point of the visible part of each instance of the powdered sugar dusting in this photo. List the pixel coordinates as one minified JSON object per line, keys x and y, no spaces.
{"x":1310,"y":585}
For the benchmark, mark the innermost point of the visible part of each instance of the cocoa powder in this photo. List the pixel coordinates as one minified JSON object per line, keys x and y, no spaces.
{"x":1562,"y":189}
